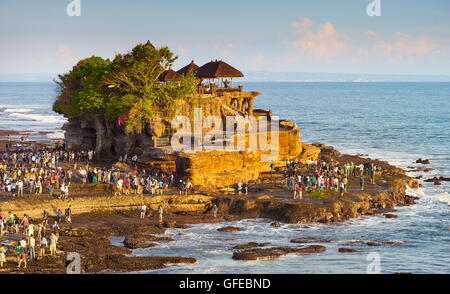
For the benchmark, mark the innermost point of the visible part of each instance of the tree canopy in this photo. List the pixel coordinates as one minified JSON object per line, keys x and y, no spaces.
{"x":126,"y":89}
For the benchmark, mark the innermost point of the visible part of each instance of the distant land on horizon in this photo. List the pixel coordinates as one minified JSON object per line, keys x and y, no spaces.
{"x":268,"y":76}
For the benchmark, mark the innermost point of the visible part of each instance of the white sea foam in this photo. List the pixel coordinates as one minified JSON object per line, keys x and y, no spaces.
{"x":16,"y":110}
{"x":39,"y":117}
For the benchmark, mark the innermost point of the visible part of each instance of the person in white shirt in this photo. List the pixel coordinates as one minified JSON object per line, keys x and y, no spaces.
{"x":19,"y":188}
{"x":53,"y":242}
{"x":31,"y":247}
{"x":143,"y":210}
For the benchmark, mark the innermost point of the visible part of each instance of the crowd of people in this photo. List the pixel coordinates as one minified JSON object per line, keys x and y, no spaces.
{"x":331,"y":175}
{"x":53,"y":171}
{"x":35,"y":238}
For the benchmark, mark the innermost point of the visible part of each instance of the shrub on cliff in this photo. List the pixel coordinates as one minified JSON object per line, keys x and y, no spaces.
{"x":126,"y":89}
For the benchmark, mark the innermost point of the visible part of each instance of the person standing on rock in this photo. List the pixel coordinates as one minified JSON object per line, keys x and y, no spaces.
{"x":31,"y":247}
{"x":372,"y":175}
{"x":3,"y":251}
{"x":43,"y":244}
{"x":160,"y":212}
{"x":345,"y":182}
{"x":53,"y":241}
{"x":188,"y":187}
{"x":361,"y":183}
{"x":143,"y":210}
{"x":215,"y":209}
{"x":239,"y":188}
{"x":22,"y":258}
{"x":19,"y":188}
{"x":299,"y":191}
{"x":342,"y":188}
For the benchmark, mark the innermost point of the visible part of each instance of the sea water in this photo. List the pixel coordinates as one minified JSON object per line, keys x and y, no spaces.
{"x":397,"y":122}
{"x":27,"y":107}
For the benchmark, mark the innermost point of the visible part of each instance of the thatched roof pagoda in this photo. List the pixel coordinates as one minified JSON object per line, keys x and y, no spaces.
{"x":191,"y":67}
{"x":218,"y":69}
{"x":169,"y":75}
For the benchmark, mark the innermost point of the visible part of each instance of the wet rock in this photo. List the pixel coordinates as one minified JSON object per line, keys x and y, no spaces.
{"x":122,"y":263}
{"x":169,"y":224}
{"x":410,"y":200}
{"x":373,"y":244}
{"x":444,"y":179}
{"x":390,"y":215}
{"x":134,"y":242}
{"x":423,"y":161}
{"x":275,"y":252}
{"x":436,"y":181}
{"x":183,"y":226}
{"x":311,"y":240}
{"x":344,"y":250}
{"x":276,"y":224}
{"x":229,"y":229}
{"x":249,"y":246}
{"x":393,"y":242}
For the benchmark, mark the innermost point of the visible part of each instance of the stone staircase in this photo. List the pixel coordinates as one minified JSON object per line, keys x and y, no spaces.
{"x":162,"y":141}
{"x":271,"y":178}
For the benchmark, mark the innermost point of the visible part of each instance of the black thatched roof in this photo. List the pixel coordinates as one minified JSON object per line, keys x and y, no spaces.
{"x":168,"y":75}
{"x":191,"y":67}
{"x":218,"y":69}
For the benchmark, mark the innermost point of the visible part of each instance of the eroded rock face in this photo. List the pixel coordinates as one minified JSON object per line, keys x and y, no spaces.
{"x":275,"y":252}
{"x":106,"y":138}
{"x":309,"y":152}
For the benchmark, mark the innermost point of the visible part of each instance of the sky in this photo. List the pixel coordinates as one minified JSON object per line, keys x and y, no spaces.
{"x":410,"y":37}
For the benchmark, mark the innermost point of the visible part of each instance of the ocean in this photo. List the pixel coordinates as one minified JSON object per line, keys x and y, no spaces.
{"x":397,"y":122}
{"x":27,"y":107}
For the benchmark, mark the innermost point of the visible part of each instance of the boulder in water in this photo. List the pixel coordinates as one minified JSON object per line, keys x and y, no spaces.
{"x":423,"y":161}
{"x":345,"y":250}
{"x":275,"y":252}
{"x":229,"y":229}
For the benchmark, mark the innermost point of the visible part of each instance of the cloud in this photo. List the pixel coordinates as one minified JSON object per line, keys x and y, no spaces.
{"x":225,"y":51}
{"x":324,"y":44}
{"x":182,"y":50}
{"x":65,"y":54}
{"x":371,"y":33}
{"x":415,"y":45}
{"x":258,"y":59}
{"x":406,"y":47}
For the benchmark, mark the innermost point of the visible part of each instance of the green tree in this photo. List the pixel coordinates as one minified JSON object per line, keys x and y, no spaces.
{"x":126,"y":86}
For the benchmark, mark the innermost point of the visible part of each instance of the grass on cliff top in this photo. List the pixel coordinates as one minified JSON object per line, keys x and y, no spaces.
{"x":322,"y":194}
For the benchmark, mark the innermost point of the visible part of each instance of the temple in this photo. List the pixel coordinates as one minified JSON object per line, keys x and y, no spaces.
{"x":217,"y":96}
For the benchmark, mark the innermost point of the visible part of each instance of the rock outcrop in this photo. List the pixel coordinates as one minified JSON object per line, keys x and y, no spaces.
{"x":345,"y":250}
{"x":229,"y":229}
{"x":275,"y":252}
